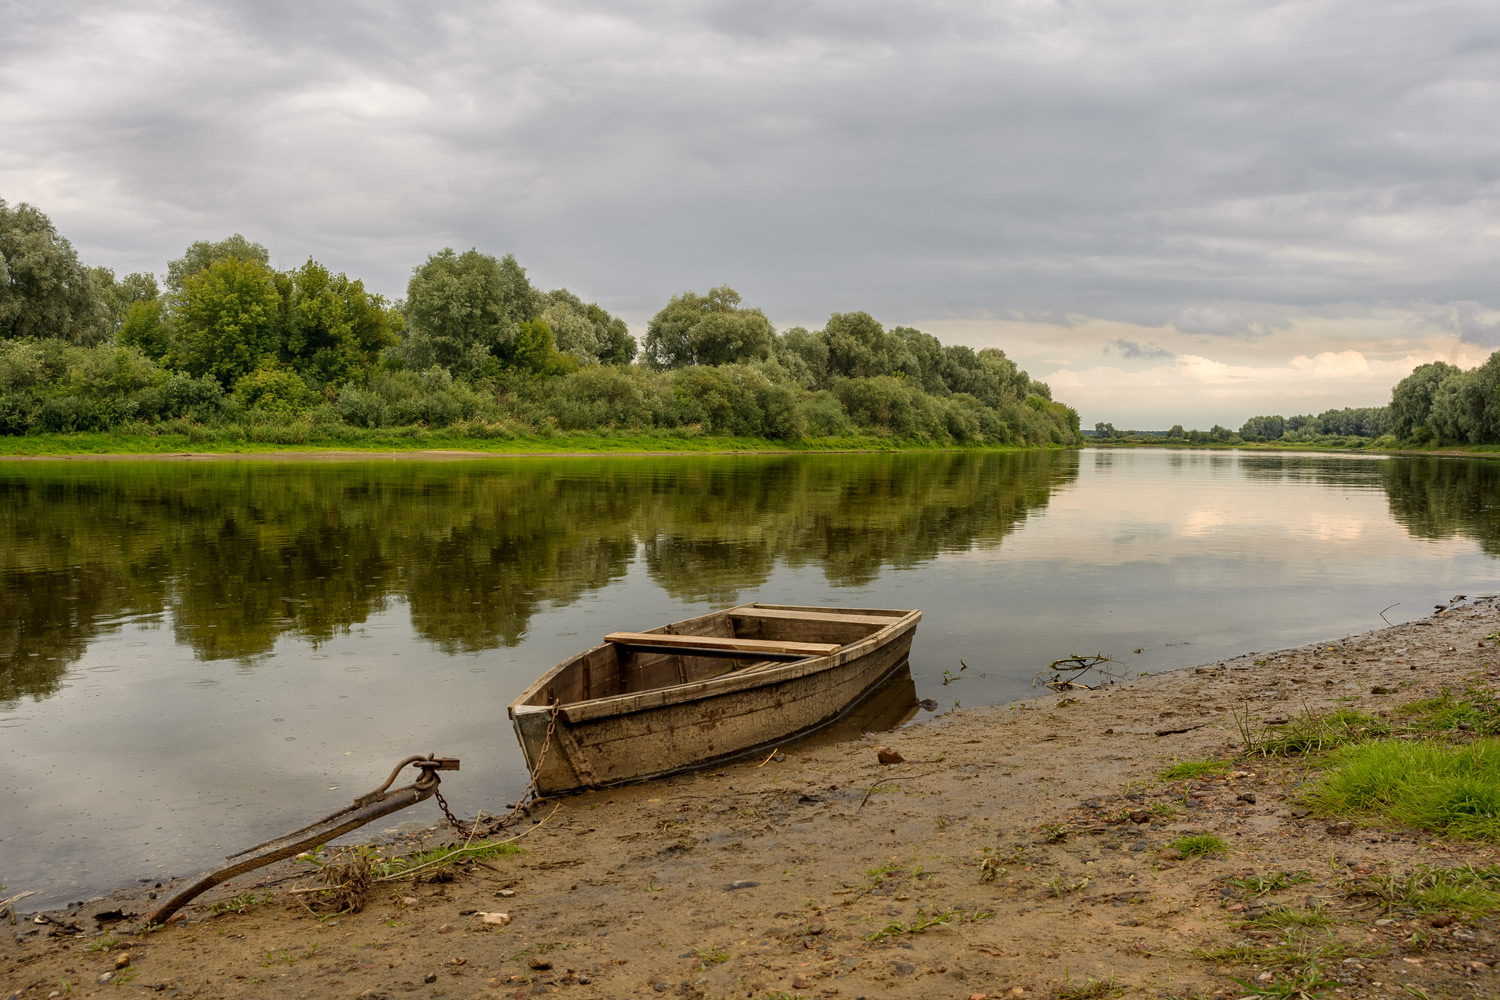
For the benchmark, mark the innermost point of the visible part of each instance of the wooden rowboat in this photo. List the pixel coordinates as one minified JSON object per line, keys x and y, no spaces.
{"x":702,"y":691}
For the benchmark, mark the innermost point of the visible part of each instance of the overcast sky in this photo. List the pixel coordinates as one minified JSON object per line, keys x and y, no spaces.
{"x":1173,"y":211}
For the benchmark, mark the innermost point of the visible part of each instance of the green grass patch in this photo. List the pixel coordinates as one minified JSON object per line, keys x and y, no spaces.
{"x":1473,"y":711}
{"x":1194,"y":769}
{"x":1200,"y":845}
{"x":1425,"y":785}
{"x":1289,"y":918}
{"x":1307,"y":983}
{"x":1259,"y":885}
{"x":1093,"y":989}
{"x":232,"y":439}
{"x":1310,"y":734}
{"x":1462,"y":891}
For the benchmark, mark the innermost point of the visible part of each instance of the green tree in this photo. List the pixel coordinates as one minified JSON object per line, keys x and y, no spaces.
{"x":334,"y":329}
{"x":710,"y":329}
{"x":465,"y":309}
{"x":587,"y":331}
{"x":202,"y":254}
{"x":1267,"y":428}
{"x":923,"y":361}
{"x":859,"y":347}
{"x":803,"y":356}
{"x":44,"y":290}
{"x":1411,"y":399}
{"x":227,"y":320}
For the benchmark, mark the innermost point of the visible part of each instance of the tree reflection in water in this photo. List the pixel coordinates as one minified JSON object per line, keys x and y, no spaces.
{"x":236,"y":554}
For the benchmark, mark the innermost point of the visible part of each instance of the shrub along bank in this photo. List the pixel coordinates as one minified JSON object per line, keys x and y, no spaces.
{"x":232,"y":350}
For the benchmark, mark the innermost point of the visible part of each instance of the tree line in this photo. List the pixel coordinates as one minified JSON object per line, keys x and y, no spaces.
{"x":1437,"y":404}
{"x":227,"y":345}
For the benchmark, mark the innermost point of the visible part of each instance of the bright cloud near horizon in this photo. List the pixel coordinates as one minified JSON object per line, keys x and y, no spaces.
{"x":1174,"y":212}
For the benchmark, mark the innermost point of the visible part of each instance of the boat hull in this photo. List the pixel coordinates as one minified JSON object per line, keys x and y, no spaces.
{"x":610,"y":741}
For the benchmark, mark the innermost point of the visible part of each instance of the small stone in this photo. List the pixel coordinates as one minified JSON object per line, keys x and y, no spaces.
{"x":816,"y":925}
{"x":538,"y":963}
{"x":799,"y":982}
{"x":1384,"y":922}
{"x":493,"y":919}
{"x":1169,"y":854}
{"x":408,"y":900}
{"x":1265,"y":977}
{"x":978,"y":996}
{"x":742,"y":883}
{"x":1441,"y":920}
{"x":1019,"y":991}
{"x":106,"y":977}
{"x":1139,"y":816}
{"x":506,"y":893}
{"x":1476,"y":967}
{"x":888,"y":756}
{"x":1091,"y":804}
{"x":448,"y":928}
{"x":903,"y":968}
{"x":1462,"y":934}
{"x":122,"y":961}
{"x":431,"y":977}
{"x":1235,"y":908}
{"x":460,"y":960}
{"x":1340,"y":829}
{"x":1247,"y":797}
{"x":584,"y":980}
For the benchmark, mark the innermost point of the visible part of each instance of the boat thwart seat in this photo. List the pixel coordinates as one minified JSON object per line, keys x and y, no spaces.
{"x":712,"y":645}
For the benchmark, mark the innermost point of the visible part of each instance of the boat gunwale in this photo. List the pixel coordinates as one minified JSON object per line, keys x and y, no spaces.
{"x":902,"y":620}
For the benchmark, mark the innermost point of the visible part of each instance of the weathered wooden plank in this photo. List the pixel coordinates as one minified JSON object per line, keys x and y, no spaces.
{"x":780,"y":614}
{"x":660,"y":640}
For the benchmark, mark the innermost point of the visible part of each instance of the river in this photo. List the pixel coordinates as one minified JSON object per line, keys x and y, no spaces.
{"x":195,"y":656}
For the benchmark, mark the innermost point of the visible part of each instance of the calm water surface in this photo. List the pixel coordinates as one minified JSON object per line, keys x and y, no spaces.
{"x":197,"y":656}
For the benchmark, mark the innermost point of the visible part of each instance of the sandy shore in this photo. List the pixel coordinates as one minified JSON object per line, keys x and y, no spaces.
{"x":1005,"y":830}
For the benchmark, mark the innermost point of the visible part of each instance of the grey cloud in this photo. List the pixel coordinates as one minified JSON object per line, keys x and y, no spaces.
{"x":1130,"y":350}
{"x":1136,"y":161}
{"x":1472,"y":321}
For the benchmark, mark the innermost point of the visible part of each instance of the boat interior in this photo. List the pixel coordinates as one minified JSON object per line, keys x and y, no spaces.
{"x":751,"y":637}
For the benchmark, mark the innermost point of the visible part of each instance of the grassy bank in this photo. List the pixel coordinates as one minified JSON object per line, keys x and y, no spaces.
{"x":1374,"y":446}
{"x":281,"y":438}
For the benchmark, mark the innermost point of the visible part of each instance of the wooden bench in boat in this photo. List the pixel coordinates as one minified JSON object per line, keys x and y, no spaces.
{"x":831,"y":615}
{"x":713,"y":645}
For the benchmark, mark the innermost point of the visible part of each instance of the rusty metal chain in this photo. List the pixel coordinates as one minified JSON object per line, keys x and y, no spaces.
{"x":431,"y":765}
{"x":524,"y":803}
{"x":452,"y":819}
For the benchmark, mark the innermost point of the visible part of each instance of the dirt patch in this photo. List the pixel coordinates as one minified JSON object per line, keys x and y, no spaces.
{"x":1017,"y":851}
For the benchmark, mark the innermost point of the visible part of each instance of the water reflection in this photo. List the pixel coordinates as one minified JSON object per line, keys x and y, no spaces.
{"x":237,"y":555}
{"x":1432,"y":498}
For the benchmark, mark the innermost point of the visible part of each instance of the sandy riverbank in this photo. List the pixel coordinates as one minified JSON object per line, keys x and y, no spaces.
{"x":774,"y":879}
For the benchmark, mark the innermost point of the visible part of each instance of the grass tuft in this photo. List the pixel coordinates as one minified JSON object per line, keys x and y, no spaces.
{"x":1463,"y":891}
{"x":1200,"y":845}
{"x":1426,"y":785}
{"x":1093,"y":989}
{"x":1307,"y":983}
{"x":1291,"y":918}
{"x":1259,"y":885}
{"x":1310,"y":734}
{"x":1193,"y":769}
